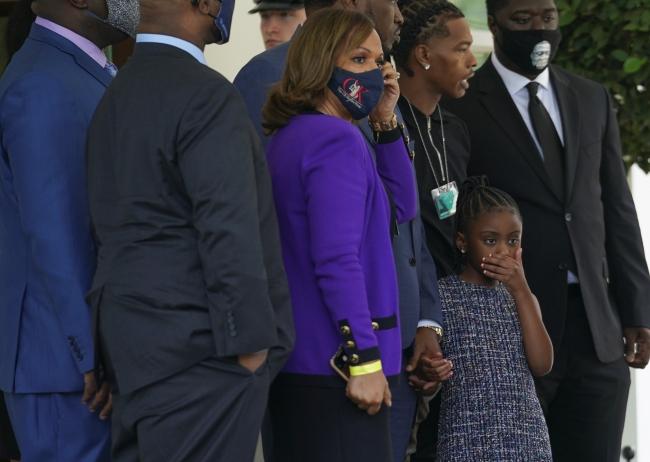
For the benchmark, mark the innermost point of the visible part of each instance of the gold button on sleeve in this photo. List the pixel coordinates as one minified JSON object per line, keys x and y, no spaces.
{"x":350,"y":344}
{"x":345,"y":330}
{"x":354,"y":359}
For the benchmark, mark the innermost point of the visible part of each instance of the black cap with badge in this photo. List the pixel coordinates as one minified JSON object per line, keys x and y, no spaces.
{"x":269,"y":5}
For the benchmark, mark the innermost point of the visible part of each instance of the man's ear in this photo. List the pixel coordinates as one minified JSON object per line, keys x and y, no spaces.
{"x":492,"y":25}
{"x":203,"y":6}
{"x":461,"y":242}
{"x":421,"y":55}
{"x":352,"y":4}
{"x":79,"y":4}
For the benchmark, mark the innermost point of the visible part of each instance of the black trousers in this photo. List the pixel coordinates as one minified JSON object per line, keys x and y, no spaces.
{"x":210,"y":412}
{"x":320,"y":424}
{"x":583,"y":400}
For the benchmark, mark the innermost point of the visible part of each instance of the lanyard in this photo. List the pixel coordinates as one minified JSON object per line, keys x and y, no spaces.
{"x":444,"y":171}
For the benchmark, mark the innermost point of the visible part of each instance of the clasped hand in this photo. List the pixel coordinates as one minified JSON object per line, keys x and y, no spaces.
{"x":427,"y":367}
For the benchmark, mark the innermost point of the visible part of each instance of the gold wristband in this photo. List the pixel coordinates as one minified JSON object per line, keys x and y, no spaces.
{"x":365,"y":369}
{"x":384,"y":126}
{"x":437,"y":330}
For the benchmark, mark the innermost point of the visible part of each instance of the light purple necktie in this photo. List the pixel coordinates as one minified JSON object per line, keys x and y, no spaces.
{"x":111,"y":68}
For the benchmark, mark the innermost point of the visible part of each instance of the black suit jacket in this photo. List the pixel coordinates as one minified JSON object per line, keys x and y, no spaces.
{"x":597,"y":218}
{"x":189,"y":258}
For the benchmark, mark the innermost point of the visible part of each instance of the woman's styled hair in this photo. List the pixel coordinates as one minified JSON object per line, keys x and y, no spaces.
{"x":326,"y":35}
{"x":423,"y":19}
{"x":476,"y":198}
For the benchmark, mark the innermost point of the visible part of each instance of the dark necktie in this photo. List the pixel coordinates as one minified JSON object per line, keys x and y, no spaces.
{"x":549,"y":140}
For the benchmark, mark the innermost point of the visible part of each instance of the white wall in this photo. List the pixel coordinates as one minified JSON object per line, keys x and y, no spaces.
{"x":245,"y":42}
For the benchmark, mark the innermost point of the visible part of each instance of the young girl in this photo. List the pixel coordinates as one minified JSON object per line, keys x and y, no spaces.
{"x":495,"y":337}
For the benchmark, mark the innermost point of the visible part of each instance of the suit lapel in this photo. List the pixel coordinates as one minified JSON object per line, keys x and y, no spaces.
{"x":499,"y":104}
{"x":82,"y":59}
{"x":92,"y":67}
{"x":569,"y":111}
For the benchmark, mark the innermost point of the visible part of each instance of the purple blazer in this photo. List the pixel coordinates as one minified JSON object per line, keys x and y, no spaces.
{"x":334,"y":216}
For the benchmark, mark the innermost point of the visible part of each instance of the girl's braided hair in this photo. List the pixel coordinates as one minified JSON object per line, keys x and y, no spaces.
{"x":476,"y":198}
{"x":423,"y":19}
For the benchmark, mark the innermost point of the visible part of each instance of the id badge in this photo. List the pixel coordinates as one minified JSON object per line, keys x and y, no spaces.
{"x":445,"y":198}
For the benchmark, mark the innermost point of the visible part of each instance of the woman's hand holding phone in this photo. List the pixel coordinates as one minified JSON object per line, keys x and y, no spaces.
{"x":369,"y":391}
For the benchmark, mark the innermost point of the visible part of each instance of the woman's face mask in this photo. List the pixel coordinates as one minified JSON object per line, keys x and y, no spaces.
{"x":358,"y":92}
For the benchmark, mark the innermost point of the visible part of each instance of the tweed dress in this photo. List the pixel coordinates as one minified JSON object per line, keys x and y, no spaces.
{"x":490,"y":411}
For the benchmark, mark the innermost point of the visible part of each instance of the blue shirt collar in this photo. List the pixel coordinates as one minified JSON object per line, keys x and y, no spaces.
{"x":173,"y":41}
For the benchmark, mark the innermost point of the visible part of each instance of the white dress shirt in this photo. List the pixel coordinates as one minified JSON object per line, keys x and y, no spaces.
{"x":516,"y":86}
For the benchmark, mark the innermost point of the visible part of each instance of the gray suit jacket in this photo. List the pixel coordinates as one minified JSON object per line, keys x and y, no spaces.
{"x":416,"y":271}
{"x":189,"y":262}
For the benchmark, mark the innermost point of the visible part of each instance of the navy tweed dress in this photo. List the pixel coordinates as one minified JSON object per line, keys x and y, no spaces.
{"x":490,"y":411}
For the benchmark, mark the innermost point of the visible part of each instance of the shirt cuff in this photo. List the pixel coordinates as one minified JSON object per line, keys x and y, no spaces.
{"x":428,"y":323}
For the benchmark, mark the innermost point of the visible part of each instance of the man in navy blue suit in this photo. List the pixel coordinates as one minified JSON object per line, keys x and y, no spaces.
{"x":48,"y":94}
{"x":419,"y":305}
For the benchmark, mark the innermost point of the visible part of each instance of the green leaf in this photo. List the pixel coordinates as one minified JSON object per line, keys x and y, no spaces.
{"x":567,"y":17}
{"x":632,"y":65}
{"x":631,"y":26}
{"x":619,"y":54}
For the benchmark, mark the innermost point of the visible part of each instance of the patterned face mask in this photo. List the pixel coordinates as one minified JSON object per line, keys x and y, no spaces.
{"x":359,"y":92}
{"x":123,"y":15}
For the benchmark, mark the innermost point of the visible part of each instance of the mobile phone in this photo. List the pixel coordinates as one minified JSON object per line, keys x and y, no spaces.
{"x":339,"y":363}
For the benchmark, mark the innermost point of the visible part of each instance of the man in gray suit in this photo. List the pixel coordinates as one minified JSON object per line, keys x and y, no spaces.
{"x":190,"y":294}
{"x":420,"y":315}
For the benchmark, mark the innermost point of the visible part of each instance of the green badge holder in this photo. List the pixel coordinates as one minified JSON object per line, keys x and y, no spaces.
{"x":445,"y":199}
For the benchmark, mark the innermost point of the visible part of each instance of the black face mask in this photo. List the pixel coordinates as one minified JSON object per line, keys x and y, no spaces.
{"x":530,"y":50}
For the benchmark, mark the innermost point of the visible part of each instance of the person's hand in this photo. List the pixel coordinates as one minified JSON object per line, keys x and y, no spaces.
{"x":386,"y":106}
{"x":369,"y":391}
{"x":427,"y":362}
{"x":509,"y":271}
{"x":103,"y":398}
{"x":422,"y":387}
{"x":253,"y":361}
{"x":641,"y":337}
{"x":429,"y":373}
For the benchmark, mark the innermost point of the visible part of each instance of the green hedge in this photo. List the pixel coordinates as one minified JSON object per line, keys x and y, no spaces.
{"x":609,"y":41}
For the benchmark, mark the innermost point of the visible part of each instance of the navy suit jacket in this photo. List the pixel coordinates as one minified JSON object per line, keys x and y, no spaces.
{"x":48,"y":94}
{"x":416,"y":271}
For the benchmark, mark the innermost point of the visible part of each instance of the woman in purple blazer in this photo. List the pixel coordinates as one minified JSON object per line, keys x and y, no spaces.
{"x":336,"y":208}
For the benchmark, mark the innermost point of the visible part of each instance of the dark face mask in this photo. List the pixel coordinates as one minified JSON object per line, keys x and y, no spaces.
{"x":530,"y":50}
{"x":360,"y":92}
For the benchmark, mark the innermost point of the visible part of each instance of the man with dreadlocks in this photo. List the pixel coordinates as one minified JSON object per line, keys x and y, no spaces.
{"x":550,"y":139}
{"x":434,"y":59}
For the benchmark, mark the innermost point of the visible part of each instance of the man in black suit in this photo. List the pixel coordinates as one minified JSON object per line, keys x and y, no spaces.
{"x":190,"y":293}
{"x":550,"y":139}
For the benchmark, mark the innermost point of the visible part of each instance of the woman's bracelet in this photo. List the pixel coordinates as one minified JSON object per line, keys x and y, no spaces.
{"x":384,"y":126}
{"x":365,"y":369}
